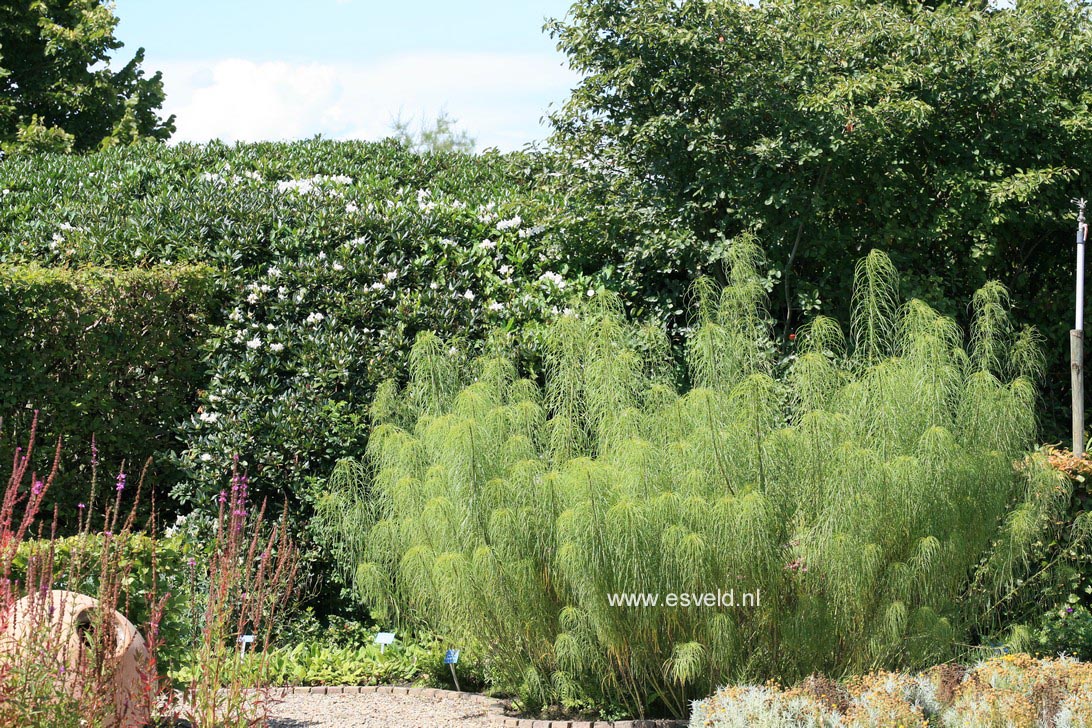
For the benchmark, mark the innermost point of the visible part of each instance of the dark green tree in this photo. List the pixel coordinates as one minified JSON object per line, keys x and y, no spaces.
{"x":58,"y":88}
{"x":951,"y":137}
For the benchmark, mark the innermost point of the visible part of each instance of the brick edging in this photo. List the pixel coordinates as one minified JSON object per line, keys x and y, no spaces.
{"x":498,"y":720}
{"x":357,"y":689}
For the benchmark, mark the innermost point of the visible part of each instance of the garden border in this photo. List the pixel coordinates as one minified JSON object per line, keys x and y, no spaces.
{"x":500,"y":721}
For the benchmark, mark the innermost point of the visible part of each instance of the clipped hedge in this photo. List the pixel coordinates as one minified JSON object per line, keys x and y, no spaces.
{"x":109,"y":354}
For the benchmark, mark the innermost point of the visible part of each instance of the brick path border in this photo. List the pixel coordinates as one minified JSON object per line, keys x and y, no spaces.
{"x":498,"y":720}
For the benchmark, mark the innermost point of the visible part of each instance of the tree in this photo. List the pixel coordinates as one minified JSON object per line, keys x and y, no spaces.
{"x":951,"y":137}
{"x":441,"y":136}
{"x":58,"y":91}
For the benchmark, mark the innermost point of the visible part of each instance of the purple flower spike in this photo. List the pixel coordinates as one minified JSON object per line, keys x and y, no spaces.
{"x":121,"y":482}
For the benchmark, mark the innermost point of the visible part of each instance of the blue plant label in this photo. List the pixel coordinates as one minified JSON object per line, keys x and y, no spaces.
{"x":384,"y":638}
{"x":451,"y":657}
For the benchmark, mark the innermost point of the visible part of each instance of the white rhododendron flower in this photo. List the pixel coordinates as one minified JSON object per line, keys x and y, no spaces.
{"x":314,"y":317}
{"x":390,"y":275}
{"x":312,"y":184}
{"x":254,"y":343}
{"x":276,"y":348}
{"x":510,"y":224}
{"x":496,"y":306}
{"x":209,"y":417}
{"x":487,"y":244}
{"x":338,"y":266}
{"x":554,"y":278}
{"x":468,"y":295}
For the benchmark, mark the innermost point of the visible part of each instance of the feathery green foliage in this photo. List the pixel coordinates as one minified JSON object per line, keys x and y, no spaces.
{"x":879,"y":497}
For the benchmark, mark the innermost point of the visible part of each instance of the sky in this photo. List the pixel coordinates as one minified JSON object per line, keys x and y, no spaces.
{"x":246,"y":70}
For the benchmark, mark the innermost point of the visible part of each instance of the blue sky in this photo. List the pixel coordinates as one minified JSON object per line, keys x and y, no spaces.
{"x":248,"y":70}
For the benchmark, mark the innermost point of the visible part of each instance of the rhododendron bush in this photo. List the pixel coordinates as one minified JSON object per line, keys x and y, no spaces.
{"x":330,"y":257}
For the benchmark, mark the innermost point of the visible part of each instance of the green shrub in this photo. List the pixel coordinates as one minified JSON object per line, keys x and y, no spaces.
{"x":1066,"y":630}
{"x":877,"y":495}
{"x":106,"y":354}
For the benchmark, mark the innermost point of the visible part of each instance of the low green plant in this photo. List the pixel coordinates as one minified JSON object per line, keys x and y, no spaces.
{"x":873,"y":501}
{"x":316,"y":663}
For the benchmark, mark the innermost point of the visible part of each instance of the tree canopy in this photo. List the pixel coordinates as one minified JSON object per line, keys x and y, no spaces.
{"x":951,"y":137}
{"x":58,"y":88}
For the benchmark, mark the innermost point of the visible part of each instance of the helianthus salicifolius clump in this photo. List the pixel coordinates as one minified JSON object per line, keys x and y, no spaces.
{"x":877,"y":495}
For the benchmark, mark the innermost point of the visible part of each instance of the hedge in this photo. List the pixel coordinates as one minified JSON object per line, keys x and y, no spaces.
{"x":335,"y":255}
{"x":109,"y":354}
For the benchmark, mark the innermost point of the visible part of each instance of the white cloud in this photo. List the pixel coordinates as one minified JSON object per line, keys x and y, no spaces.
{"x":498,"y":98}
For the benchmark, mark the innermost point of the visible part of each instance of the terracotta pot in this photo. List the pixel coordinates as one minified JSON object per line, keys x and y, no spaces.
{"x":64,"y":619}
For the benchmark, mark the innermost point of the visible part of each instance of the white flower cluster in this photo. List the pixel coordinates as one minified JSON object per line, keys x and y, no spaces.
{"x":486,"y":214}
{"x":531,"y":231}
{"x":314,"y":318}
{"x":309,"y":185}
{"x":554,"y":278}
{"x":510,"y":224}
{"x":425,"y":203}
{"x":221,"y":180}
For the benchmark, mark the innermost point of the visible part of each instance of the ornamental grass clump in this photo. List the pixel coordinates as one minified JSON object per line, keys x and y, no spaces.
{"x":863,"y":508}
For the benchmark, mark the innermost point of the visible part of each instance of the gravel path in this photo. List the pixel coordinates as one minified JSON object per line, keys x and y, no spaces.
{"x":384,"y":710}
